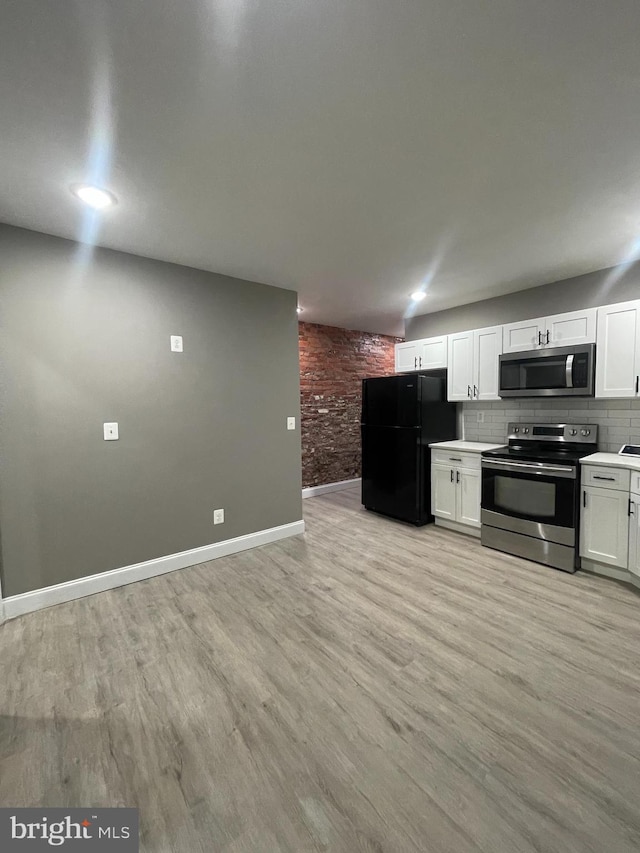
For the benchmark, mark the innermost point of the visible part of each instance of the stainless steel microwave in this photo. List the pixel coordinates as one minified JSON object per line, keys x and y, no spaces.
{"x":554,"y":372}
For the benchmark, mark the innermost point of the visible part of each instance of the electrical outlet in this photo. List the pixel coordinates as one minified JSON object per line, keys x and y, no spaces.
{"x":218,"y":516}
{"x":291,"y":423}
{"x":110,"y":432}
{"x":176,"y":343}
{"x":480,"y":416}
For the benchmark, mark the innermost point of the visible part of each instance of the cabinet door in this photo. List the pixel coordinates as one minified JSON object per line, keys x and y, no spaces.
{"x":468,"y":497}
{"x":604,"y":526}
{"x":460,"y":367}
{"x":407,"y":356}
{"x":618,"y":350}
{"x":524,"y":335}
{"x":433,"y":353}
{"x":487,"y":347}
{"x":634,"y":535}
{"x":575,"y":327}
{"x":443,"y":492}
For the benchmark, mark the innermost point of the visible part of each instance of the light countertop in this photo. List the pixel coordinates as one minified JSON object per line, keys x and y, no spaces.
{"x":465,"y":446}
{"x":611,"y":459}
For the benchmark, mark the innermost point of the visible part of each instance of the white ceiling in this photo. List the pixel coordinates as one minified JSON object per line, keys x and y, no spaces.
{"x":347,"y":149}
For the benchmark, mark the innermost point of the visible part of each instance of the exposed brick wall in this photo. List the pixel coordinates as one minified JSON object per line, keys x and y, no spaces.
{"x":333,"y":363}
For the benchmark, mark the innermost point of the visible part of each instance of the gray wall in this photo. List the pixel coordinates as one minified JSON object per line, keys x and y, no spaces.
{"x":585,"y":291}
{"x":81,"y":345}
{"x":618,"y":420}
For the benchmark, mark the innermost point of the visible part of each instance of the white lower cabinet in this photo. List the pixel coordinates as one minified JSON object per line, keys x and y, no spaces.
{"x":634,"y":536}
{"x":443,"y":492}
{"x":455,"y":494}
{"x":604,"y":526}
{"x":468,"y":498}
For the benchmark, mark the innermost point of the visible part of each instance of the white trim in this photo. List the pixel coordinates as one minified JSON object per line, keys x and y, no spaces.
{"x":314,"y":491}
{"x":16,"y":605}
{"x":458,"y":527}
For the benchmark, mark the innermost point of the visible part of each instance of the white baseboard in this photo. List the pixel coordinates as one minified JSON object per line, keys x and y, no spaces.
{"x":314,"y":491}
{"x":16,"y":605}
{"x":459,"y":528}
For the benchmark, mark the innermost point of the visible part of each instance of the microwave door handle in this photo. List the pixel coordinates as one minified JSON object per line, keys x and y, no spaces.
{"x":568,"y":371}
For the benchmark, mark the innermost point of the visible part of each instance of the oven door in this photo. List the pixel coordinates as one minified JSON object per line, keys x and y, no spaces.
{"x":534,"y":498}
{"x":559,"y":372}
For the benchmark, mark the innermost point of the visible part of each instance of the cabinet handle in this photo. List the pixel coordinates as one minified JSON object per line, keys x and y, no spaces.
{"x":420,"y":361}
{"x":468,"y":390}
{"x":547,"y":335}
{"x":630,"y":511}
{"x":637,"y":383}
{"x":584,"y":498}
{"x":475,"y":391}
{"x":457,"y":476}
{"x":539,"y":339}
{"x":598,"y":477}
{"x":415,"y":361}
{"x":452,"y":475}
{"x":455,"y":459}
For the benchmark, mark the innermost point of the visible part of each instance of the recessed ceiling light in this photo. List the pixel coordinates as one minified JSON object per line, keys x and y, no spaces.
{"x":299,"y":309}
{"x":94,"y":196}
{"x":418,"y":295}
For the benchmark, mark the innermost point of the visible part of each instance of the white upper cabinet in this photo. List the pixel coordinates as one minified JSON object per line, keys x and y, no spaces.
{"x":460,"y":372}
{"x":618,"y":350}
{"x":559,"y":330}
{"x":473,"y":364}
{"x":424,"y":354}
{"x":572,"y":329}
{"x":433,"y":353}
{"x":524,"y":335}
{"x":407,"y":357}
{"x":487,"y":347}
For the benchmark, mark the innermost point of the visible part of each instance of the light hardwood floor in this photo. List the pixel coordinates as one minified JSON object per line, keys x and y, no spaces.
{"x":369,"y":687}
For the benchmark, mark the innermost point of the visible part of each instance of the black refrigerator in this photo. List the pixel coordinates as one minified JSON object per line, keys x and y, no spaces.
{"x":401,"y":416}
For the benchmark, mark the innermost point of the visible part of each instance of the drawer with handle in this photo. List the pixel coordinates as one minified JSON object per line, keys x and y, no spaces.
{"x":606,"y":478}
{"x":455,"y":459}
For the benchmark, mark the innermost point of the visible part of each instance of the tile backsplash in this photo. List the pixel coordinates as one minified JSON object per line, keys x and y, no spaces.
{"x":618,"y":420}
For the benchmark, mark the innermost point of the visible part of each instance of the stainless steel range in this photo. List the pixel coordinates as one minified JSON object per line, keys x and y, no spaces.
{"x":531,"y":492}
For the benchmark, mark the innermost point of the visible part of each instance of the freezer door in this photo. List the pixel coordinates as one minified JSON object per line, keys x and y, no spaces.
{"x":391,"y":401}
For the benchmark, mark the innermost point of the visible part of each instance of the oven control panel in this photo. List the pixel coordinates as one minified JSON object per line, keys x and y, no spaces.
{"x":574,"y":433}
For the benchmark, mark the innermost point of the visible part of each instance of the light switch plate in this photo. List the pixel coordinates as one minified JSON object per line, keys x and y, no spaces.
{"x":291,"y":423}
{"x":176,"y":343}
{"x":218,"y":516}
{"x":110,"y":432}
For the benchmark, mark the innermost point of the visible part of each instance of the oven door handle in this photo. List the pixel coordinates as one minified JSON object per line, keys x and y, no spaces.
{"x":541,"y":468}
{"x":568,"y":371}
